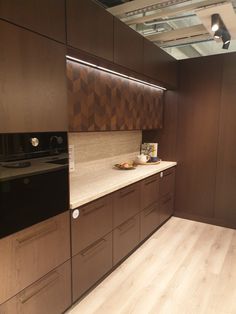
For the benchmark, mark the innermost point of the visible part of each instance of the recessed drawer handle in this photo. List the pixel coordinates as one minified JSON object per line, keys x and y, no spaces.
{"x":44,"y":283}
{"x":167,"y":200}
{"x":123,"y":194}
{"x":149,"y":211}
{"x":89,"y":211}
{"x":167,"y":174}
{"x":38,"y":234}
{"x":93,"y":247}
{"x":149,"y":182}
{"x":127,"y":225}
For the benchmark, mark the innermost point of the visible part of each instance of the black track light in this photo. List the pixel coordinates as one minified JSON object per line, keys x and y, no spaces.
{"x":215,"y":22}
{"x":218,"y":33}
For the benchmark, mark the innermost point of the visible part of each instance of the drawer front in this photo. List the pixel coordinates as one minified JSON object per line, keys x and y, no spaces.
{"x":167,"y":182}
{"x":126,"y":203}
{"x":90,"y":265}
{"x":31,"y":253}
{"x":125,"y":238}
{"x":49,"y":295}
{"x":149,"y":191}
{"x":149,"y":220}
{"x":94,"y":221}
{"x":166,"y":207}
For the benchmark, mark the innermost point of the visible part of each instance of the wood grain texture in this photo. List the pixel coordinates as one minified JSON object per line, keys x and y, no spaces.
{"x":199,"y":111}
{"x":225,"y":202}
{"x":46,"y":17}
{"x":100,"y":101}
{"x":29,"y":254}
{"x":185,"y":267}
{"x":33,"y":82}
{"x":90,"y":28}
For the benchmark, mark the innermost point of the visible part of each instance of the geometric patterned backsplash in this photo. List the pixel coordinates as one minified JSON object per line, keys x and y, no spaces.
{"x":101,"y":101}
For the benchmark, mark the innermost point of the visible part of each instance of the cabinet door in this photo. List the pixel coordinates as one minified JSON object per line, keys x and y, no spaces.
{"x":167,"y":190}
{"x":29,"y":254}
{"x":90,"y":265}
{"x":46,"y":17}
{"x":94,"y":221}
{"x":49,"y":295}
{"x":90,"y":28}
{"x":152,"y":110}
{"x":33,"y":84}
{"x":149,"y":220}
{"x":128,"y":47}
{"x":126,"y":203}
{"x":149,"y":191}
{"x":159,"y":65}
{"x":125,"y":238}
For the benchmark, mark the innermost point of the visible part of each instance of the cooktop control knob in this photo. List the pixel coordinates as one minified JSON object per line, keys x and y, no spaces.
{"x":34,"y":141}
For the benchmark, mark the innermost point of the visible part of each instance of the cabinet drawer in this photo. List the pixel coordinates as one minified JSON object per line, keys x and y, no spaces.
{"x":49,"y":295}
{"x":166,"y":207}
{"x":31,"y":253}
{"x":149,"y":220}
{"x":167,"y":182}
{"x":90,"y":265}
{"x":126,"y":203}
{"x":149,"y":191}
{"x":125,"y":238}
{"x":94,"y":221}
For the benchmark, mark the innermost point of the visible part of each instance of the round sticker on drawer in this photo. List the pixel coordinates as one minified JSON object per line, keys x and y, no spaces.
{"x":75,"y":213}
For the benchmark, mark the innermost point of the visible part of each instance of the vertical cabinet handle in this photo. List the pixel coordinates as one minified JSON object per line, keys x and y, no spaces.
{"x":161,"y":174}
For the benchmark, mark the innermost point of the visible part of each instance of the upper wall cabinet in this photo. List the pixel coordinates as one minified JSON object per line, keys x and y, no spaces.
{"x":128,"y":47}
{"x":90,"y":28}
{"x":46,"y":17}
{"x":159,"y":65}
{"x":32,"y":79}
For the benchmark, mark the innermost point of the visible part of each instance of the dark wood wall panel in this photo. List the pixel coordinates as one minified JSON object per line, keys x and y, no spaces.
{"x":225,"y":205}
{"x":100,"y":101}
{"x":198,"y":119}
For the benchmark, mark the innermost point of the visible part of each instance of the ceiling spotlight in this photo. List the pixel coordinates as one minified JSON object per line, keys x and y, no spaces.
{"x":226,"y":45}
{"x":215,"y":22}
{"x":218,"y":33}
{"x":226,"y":36}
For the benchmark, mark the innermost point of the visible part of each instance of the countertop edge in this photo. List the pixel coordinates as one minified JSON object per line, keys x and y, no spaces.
{"x":112,"y":189}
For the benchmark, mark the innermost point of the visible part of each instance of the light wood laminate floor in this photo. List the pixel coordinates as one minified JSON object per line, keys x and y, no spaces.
{"x":186,"y":267}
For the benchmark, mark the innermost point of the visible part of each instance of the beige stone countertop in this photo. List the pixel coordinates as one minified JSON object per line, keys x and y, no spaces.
{"x":84,"y":189}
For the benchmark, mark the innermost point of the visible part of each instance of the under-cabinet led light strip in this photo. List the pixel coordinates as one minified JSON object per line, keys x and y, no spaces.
{"x":113,"y":72}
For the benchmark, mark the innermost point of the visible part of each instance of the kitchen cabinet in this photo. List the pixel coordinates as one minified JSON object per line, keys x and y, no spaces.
{"x":149,"y":191}
{"x":128,"y":47}
{"x":51,"y":294}
{"x":31,"y":253}
{"x":126,"y":203}
{"x":46,"y":17}
{"x":90,"y":28}
{"x":159,"y":65}
{"x":91,"y":264}
{"x":93,"y":222}
{"x":125,"y":238}
{"x":33,"y":83}
{"x":167,"y":190}
{"x":100,"y":101}
{"x":149,"y":220}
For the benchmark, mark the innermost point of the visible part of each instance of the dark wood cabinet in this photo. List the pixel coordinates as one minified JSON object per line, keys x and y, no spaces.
{"x":93,"y":222}
{"x":149,"y":220}
{"x":126,"y":203}
{"x":33,"y":83}
{"x":90,"y":265}
{"x":167,"y":191}
{"x":149,"y":191}
{"x":46,"y":17}
{"x":29,"y":254}
{"x":125,"y":238}
{"x":128,"y":47}
{"x":159,"y":65}
{"x":90,"y":28}
{"x":49,"y":295}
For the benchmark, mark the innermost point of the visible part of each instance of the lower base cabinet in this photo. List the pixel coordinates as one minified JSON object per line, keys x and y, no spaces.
{"x":90,"y":265}
{"x":125,"y":238}
{"x":166,"y":207}
{"x":149,"y":220}
{"x":49,"y":295}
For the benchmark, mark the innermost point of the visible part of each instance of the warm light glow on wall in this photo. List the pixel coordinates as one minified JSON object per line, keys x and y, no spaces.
{"x":114,"y":72}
